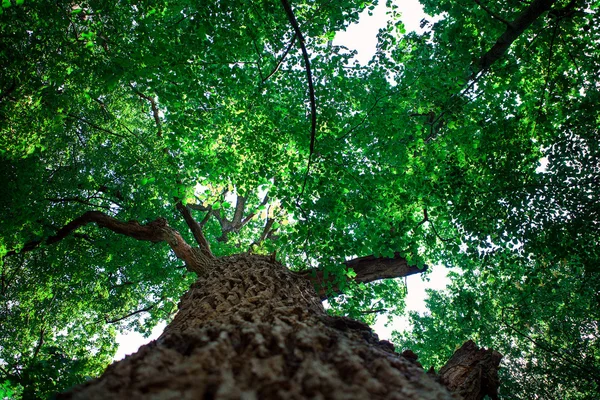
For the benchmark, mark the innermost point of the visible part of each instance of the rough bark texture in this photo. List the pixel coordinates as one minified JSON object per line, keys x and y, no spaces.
{"x":249,"y":328}
{"x":367,"y":269}
{"x":472,"y":372}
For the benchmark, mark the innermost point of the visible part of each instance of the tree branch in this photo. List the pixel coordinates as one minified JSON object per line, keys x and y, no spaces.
{"x":311,"y":89}
{"x":238,"y":221}
{"x":195,"y":228}
{"x":155,"y":232}
{"x":97,"y":127}
{"x":493,"y":14}
{"x":569,"y":360}
{"x":367,"y":269}
{"x":12,"y":87}
{"x":472,"y":373}
{"x":206,"y":217}
{"x":285,"y":53}
{"x":513,"y":31}
{"x":153,"y":106}
{"x":373,"y":311}
{"x":77,"y":200}
{"x":239,"y":211}
{"x":40,"y":343}
{"x":265,"y":232}
{"x":252,"y":214}
{"x":226,"y":226}
{"x":112,"y":321}
{"x":7,"y":374}
{"x":199,"y":207}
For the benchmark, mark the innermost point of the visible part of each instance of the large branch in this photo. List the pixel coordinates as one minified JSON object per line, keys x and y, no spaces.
{"x":367,"y":269}
{"x":513,"y":30}
{"x":195,"y":228}
{"x":239,"y":210}
{"x":155,"y":231}
{"x":226,"y":225}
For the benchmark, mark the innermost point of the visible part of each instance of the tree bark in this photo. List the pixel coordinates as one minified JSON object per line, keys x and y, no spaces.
{"x":472,"y":372}
{"x":250,"y":328}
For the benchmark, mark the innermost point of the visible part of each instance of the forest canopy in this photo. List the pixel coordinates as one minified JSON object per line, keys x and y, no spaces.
{"x":248,"y":116}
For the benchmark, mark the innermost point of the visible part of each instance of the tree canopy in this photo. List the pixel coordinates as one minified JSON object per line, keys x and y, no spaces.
{"x":245,"y":114}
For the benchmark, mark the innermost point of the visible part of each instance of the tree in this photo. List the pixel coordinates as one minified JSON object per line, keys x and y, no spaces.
{"x":528,"y":282}
{"x":131,"y":130}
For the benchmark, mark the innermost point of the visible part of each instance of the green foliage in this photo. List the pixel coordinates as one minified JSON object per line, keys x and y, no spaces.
{"x":542,"y":317}
{"x":364,"y":302}
{"x":528,"y":285}
{"x":124,"y":106}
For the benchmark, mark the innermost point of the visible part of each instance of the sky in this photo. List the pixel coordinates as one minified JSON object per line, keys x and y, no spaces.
{"x":362,"y":37}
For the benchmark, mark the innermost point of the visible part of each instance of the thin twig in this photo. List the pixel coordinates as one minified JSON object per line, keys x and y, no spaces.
{"x":77,"y":200}
{"x":97,"y":127}
{"x":546,"y":348}
{"x":153,"y":106}
{"x":493,"y":14}
{"x":285,"y":53}
{"x":112,"y":321}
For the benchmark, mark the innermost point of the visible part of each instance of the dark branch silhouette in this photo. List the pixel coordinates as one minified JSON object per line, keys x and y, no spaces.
{"x":153,"y":106}
{"x":146,"y":309}
{"x":285,"y":53}
{"x":313,"y":104}
{"x":513,"y":30}
{"x":155,"y":232}
{"x":492,"y":13}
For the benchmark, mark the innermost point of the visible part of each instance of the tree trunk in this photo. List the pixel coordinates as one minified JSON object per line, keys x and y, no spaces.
{"x":250,"y":328}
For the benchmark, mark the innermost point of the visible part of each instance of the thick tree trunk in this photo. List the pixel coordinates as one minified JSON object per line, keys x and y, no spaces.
{"x":250,"y":328}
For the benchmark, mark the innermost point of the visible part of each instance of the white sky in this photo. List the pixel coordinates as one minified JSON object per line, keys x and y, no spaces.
{"x":363,"y":38}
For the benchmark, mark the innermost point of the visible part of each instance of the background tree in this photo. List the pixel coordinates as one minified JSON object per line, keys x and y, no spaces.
{"x":131,"y":109}
{"x":528,"y":274}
